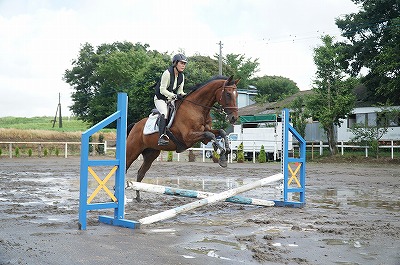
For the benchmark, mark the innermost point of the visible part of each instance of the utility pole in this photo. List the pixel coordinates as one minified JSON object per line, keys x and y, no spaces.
{"x":220,"y":58}
{"x":59,"y":113}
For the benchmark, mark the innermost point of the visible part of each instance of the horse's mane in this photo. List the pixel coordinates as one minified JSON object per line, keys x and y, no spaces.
{"x":217,"y":77}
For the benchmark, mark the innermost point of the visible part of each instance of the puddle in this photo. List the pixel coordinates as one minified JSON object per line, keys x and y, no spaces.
{"x":335,"y":242}
{"x":334,"y":198}
{"x":234,"y":245}
{"x":204,"y":251}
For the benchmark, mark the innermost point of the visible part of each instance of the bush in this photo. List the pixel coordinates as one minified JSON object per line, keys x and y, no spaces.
{"x":30,"y":152}
{"x":262,"y":157}
{"x":192,"y":156}
{"x":100,"y":147}
{"x":90,"y":145}
{"x":45,"y":152}
{"x":17,"y":152}
{"x":215,"y":156}
{"x":240,"y":153}
{"x":1,"y":152}
{"x":170,"y":156}
{"x":57,"y":151}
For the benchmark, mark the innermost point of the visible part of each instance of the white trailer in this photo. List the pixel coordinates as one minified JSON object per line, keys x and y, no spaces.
{"x":255,"y":135}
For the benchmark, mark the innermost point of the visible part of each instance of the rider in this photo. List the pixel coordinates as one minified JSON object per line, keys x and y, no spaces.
{"x":169,"y":88}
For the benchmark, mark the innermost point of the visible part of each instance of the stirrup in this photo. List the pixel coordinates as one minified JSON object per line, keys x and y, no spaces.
{"x":163,"y":140}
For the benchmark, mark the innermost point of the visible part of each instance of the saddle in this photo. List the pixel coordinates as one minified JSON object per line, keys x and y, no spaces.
{"x":151,"y":126}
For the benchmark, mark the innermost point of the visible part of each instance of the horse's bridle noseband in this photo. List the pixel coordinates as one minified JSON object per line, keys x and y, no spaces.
{"x":225,"y":96}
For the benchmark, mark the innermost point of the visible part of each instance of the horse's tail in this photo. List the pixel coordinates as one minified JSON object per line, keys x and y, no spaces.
{"x":129,"y":128}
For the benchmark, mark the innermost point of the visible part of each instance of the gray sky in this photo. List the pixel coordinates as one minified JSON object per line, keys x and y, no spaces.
{"x":39,"y":39}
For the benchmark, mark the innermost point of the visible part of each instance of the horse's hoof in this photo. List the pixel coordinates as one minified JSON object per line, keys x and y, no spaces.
{"x":223,"y":162}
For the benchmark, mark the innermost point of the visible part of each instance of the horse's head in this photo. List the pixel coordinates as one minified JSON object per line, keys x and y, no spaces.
{"x":227,"y":97}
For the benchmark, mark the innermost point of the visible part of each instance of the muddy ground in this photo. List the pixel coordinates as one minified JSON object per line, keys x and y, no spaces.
{"x":351,"y":217}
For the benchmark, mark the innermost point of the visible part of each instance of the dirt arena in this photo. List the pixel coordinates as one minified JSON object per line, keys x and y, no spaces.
{"x":352,"y":216}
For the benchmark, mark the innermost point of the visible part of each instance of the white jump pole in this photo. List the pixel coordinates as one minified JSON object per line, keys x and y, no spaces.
{"x":194,"y":193}
{"x":212,"y":199}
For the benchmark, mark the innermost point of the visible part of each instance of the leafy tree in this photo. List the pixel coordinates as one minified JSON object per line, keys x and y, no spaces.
{"x":200,"y":69}
{"x":99,"y":73}
{"x":374,"y":36}
{"x":273,"y":88}
{"x":332,"y":99}
{"x":97,"y":76}
{"x":242,"y":68}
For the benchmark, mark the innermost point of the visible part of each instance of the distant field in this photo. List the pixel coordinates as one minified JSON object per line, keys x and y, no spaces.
{"x":43,"y":123}
{"x":41,"y":129}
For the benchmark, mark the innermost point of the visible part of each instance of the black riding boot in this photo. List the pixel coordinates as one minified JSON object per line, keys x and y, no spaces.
{"x":162,"y":122}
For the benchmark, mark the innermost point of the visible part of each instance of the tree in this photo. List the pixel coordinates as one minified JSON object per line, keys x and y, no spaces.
{"x":273,"y":88}
{"x":332,"y":99}
{"x":97,"y":75}
{"x":241,"y":67}
{"x":202,"y":68}
{"x":374,"y":36}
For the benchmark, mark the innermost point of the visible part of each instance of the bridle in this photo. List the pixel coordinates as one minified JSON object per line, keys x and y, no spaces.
{"x":224,"y":95}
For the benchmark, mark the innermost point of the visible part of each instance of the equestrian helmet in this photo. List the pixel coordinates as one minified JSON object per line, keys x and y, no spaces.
{"x":179,"y":58}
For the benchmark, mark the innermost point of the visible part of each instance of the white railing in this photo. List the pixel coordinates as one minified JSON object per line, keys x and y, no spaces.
{"x":178,"y":157}
{"x":41,"y":146}
{"x":343,"y":145}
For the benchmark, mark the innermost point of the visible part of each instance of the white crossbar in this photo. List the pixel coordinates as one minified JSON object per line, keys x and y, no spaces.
{"x":209,"y":200}
{"x":194,"y":193}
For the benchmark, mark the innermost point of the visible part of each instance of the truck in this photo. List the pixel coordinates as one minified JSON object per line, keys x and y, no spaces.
{"x":257,"y":131}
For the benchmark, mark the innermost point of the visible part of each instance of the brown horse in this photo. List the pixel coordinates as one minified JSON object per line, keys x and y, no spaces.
{"x":192,"y":124}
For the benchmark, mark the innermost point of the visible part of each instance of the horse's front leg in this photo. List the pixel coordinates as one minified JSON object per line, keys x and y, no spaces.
{"x":222,"y":150}
{"x":222,"y":133}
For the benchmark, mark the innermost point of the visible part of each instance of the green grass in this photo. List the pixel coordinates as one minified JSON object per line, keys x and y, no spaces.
{"x":43,"y":123}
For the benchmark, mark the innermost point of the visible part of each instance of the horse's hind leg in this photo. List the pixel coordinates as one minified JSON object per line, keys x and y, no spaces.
{"x":149,"y":155}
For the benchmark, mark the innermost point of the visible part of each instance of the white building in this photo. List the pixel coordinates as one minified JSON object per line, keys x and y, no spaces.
{"x":368,"y":116}
{"x":246,"y":97}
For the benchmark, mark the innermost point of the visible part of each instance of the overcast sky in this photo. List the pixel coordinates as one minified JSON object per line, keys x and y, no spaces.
{"x":40,"y":38}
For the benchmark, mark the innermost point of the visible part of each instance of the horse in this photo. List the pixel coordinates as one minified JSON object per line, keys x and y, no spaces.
{"x":192,"y":124}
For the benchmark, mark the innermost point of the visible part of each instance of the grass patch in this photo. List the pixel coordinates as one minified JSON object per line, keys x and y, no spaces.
{"x":40,"y":129}
{"x":43,"y":123}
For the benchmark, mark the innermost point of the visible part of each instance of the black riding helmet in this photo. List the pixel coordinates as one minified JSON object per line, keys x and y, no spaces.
{"x":179,"y":58}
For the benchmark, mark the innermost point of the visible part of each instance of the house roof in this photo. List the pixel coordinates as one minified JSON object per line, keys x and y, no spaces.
{"x":270,"y":107}
{"x":363,"y":99}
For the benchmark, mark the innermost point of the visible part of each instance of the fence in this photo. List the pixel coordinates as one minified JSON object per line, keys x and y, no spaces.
{"x":40,"y":149}
{"x":392,"y":145}
{"x":66,"y":149}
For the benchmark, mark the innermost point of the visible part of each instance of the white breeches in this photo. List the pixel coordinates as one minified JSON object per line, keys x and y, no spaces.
{"x":161,"y":106}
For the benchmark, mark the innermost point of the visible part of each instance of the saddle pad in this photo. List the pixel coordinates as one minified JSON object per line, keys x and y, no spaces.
{"x":151,"y":125}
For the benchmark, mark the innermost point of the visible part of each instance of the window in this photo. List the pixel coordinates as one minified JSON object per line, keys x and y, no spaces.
{"x":351,"y":120}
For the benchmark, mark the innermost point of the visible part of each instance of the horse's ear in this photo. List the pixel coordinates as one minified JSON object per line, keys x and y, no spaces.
{"x":229,"y":79}
{"x":237,"y":81}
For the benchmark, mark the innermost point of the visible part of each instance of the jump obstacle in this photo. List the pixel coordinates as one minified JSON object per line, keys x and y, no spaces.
{"x":293,"y":180}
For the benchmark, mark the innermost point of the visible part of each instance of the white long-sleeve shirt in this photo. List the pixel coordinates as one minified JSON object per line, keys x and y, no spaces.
{"x":164,"y":84}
